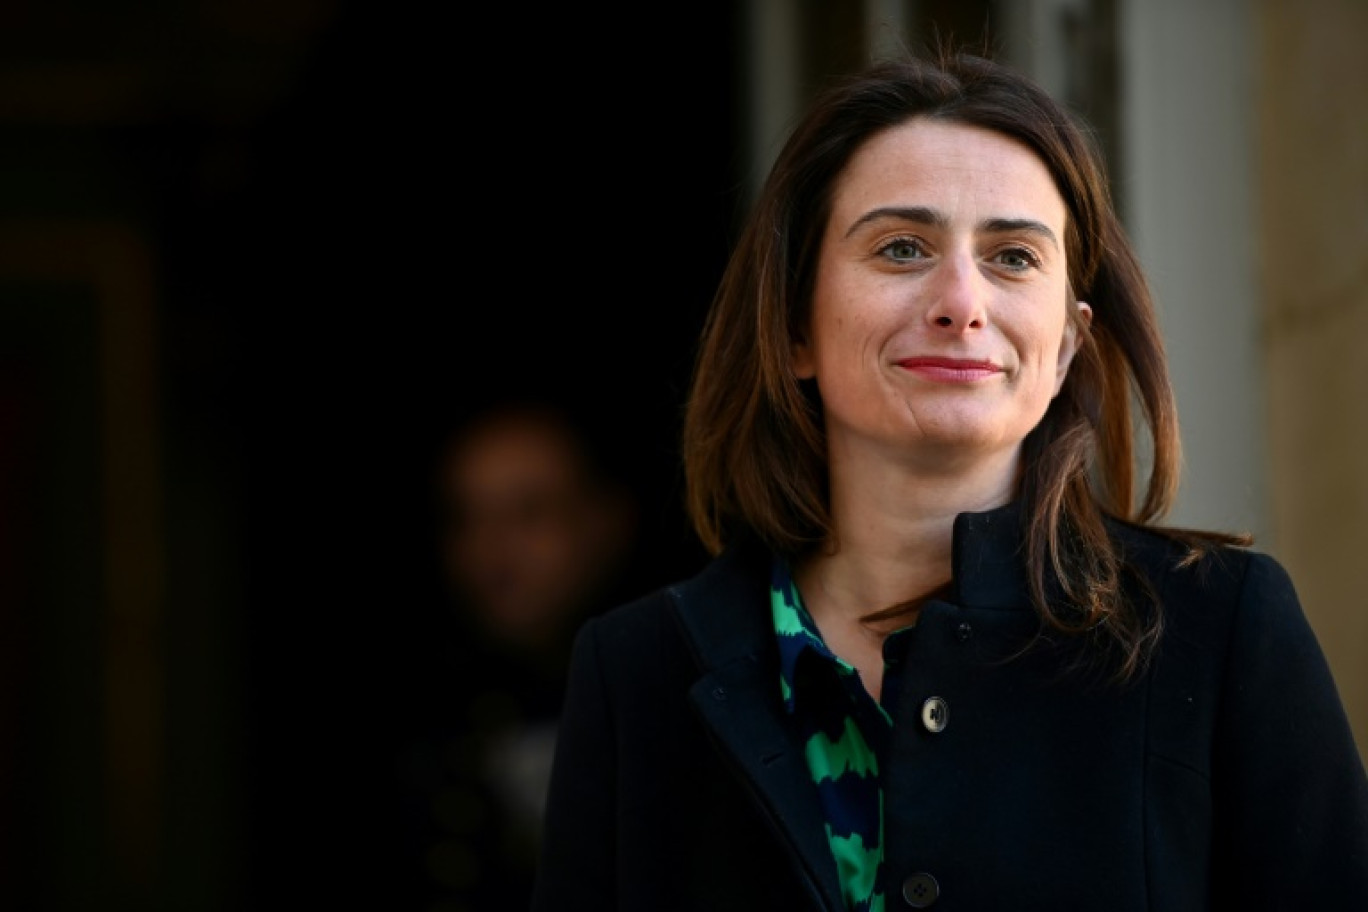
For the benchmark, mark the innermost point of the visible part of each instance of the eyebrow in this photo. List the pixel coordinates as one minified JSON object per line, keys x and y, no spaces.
{"x":925,"y":215}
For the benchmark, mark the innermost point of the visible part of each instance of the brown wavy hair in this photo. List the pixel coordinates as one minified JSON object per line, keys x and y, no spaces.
{"x":754,"y":448}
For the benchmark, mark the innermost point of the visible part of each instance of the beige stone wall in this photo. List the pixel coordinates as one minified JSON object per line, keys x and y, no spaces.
{"x":1312,"y":91}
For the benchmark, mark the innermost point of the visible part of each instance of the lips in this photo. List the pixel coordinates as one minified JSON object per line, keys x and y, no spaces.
{"x":950,"y":370}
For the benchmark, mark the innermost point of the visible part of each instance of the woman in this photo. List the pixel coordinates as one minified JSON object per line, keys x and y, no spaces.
{"x":941,"y":656}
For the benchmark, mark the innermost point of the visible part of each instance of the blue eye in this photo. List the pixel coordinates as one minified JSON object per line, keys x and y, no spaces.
{"x":902,"y":249}
{"x":1018,"y":258}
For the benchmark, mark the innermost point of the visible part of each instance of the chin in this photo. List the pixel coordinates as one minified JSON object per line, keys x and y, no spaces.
{"x":973,"y":431}
{"x":961,"y":447}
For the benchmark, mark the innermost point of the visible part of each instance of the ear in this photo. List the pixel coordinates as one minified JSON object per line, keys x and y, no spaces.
{"x":1068,"y":347}
{"x":804,"y":363}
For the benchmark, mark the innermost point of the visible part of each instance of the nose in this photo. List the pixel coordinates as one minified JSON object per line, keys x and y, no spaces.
{"x":958,"y":296}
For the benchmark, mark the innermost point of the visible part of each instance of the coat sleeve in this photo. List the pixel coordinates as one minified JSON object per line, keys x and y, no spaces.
{"x":576,"y":866}
{"x":1289,"y":787}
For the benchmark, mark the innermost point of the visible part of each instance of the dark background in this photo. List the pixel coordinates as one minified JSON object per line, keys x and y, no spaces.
{"x":442,"y":211}
{"x":256,"y":259}
{"x":454,"y":212}
{"x":344,"y":226}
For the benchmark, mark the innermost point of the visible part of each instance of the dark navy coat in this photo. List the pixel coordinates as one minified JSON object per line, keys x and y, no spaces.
{"x":1226,"y":777}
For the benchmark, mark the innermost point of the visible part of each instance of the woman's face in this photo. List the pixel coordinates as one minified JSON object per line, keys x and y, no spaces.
{"x":939,"y":317}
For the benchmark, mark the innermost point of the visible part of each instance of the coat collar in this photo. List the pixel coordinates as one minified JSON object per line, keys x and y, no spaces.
{"x":988,"y":560}
{"x":723,"y":607}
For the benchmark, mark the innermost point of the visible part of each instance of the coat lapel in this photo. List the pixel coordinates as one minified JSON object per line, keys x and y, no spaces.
{"x":724,"y":615}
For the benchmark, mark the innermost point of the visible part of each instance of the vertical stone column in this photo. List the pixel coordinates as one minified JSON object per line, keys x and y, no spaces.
{"x":1313,"y":256}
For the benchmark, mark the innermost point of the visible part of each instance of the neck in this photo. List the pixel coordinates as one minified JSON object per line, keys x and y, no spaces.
{"x":893,"y":532}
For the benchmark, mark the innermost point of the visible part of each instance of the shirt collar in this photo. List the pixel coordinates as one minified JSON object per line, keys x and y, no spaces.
{"x":794,"y":629}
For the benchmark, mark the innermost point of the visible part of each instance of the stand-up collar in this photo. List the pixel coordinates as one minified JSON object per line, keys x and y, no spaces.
{"x":988,"y":559}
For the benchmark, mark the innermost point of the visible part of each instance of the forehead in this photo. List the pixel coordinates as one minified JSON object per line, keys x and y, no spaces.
{"x":511,"y":451}
{"x":958,"y":168}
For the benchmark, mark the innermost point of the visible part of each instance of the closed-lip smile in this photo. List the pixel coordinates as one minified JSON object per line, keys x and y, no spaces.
{"x":950,"y":370}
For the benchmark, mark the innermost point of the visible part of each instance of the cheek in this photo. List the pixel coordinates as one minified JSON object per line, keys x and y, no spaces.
{"x":1039,"y":345}
{"x":848,"y":344}
{"x":831,"y":329}
{"x":1048,"y":331}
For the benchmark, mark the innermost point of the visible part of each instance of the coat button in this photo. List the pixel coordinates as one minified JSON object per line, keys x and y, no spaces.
{"x":963,"y":632}
{"x":920,"y":890}
{"x":935,"y":714}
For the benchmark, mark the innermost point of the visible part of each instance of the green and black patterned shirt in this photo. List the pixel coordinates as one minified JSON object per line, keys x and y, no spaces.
{"x":844,"y":732}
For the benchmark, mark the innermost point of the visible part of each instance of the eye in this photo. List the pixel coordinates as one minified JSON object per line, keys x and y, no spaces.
{"x":903,"y":248}
{"x":1017,"y":259}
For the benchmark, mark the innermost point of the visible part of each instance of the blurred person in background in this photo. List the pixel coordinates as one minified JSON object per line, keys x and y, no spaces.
{"x":537,"y":530}
{"x":537,"y":533}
